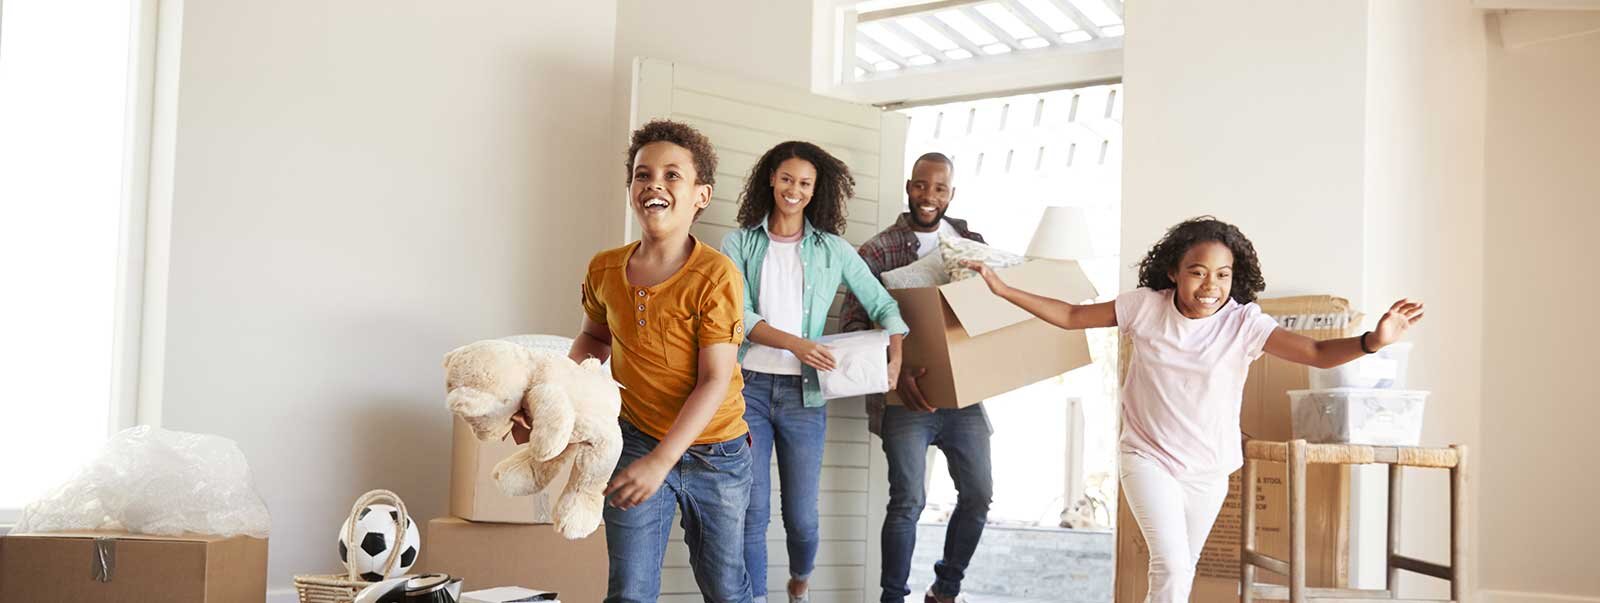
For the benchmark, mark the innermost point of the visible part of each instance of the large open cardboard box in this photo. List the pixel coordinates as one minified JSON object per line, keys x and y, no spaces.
{"x":114,"y":567}
{"x":1264,"y":415}
{"x":976,"y":345}
{"x":487,"y":555}
{"x":473,"y":492}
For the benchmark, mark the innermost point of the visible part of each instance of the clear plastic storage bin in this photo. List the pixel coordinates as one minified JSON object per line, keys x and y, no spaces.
{"x":1377,"y":417}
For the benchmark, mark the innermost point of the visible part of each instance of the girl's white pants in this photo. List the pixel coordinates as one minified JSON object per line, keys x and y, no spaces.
{"x":1175,"y":514}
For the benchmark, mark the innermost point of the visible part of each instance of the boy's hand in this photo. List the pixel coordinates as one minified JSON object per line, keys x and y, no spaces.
{"x":996,"y":286}
{"x":520,"y":428}
{"x":637,"y":482}
{"x":1394,"y":324}
{"x":910,"y":393}
{"x":814,"y":354}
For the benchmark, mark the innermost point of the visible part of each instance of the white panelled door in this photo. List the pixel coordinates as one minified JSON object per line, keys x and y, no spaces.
{"x":743,"y":118}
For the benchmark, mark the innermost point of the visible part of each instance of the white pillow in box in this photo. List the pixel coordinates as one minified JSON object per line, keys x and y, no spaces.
{"x":956,"y":250}
{"x":1374,"y":417}
{"x":925,"y":272}
{"x":862,"y":364}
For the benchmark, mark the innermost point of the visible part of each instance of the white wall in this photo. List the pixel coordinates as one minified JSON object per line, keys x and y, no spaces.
{"x":361,"y":186}
{"x":1252,"y":112}
{"x":1424,"y":219}
{"x":765,"y":41}
{"x":1540,"y":533}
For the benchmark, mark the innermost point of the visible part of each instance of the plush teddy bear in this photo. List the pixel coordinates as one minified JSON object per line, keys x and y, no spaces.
{"x":572,"y":412}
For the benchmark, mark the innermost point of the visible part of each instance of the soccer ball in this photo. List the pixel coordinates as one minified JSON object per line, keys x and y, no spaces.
{"x":375,"y":543}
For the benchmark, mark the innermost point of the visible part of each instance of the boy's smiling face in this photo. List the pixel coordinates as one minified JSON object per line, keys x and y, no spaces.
{"x":665,"y":193}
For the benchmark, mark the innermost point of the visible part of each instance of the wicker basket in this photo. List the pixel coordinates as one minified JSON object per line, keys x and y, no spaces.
{"x":342,"y":588}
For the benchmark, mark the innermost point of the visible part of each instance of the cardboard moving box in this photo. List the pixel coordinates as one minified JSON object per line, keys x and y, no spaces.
{"x":473,"y":492}
{"x":976,"y":345}
{"x":109,"y":567}
{"x":487,"y":555}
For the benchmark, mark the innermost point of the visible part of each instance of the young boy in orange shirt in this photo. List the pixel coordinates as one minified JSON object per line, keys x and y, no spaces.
{"x":668,"y":311}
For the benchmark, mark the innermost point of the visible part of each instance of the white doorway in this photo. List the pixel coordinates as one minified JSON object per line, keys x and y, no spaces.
{"x":1054,"y":450}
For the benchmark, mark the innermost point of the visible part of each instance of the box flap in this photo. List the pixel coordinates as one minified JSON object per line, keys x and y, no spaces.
{"x":980,"y":311}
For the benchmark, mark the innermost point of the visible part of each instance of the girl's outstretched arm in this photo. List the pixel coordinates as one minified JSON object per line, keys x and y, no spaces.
{"x":1330,"y":353}
{"x":1053,"y":311}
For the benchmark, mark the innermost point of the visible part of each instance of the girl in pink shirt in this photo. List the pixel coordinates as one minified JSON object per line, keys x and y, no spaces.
{"x":1195,"y":329}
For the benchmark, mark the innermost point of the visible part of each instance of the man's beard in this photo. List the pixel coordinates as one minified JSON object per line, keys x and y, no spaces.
{"x":916,"y":218}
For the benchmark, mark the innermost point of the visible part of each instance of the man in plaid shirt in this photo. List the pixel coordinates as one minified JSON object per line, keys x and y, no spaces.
{"x":907,"y":431}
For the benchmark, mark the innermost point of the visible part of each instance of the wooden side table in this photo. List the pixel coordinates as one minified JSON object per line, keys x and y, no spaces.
{"x":1297,"y":455}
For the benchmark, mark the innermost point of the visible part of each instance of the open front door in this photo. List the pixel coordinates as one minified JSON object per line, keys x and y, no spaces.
{"x":743,"y":118}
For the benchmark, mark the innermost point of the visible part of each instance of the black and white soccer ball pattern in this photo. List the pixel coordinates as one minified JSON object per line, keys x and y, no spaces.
{"x":374,"y":543}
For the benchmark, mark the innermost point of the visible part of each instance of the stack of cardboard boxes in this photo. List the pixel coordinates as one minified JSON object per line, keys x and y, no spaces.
{"x":493,"y":540}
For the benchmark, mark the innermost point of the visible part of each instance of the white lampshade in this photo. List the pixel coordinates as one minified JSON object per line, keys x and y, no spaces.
{"x":1063,"y":234}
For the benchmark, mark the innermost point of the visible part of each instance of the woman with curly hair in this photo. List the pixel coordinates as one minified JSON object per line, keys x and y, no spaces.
{"x":791,"y":213}
{"x":1195,"y":329}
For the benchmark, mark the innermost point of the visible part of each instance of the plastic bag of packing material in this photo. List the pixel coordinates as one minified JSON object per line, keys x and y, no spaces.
{"x":149,"y":480}
{"x":861,"y":364}
{"x":926,"y":272}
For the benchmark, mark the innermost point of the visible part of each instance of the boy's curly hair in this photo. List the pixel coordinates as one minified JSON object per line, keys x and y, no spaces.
{"x":832,"y":189}
{"x":683,"y":135}
{"x":1158,"y":264}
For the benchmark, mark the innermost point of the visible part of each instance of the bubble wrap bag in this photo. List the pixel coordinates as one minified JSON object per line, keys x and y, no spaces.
{"x":926,"y":272}
{"x":149,"y":480}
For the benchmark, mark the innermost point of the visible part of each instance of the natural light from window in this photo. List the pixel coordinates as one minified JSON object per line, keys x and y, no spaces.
{"x":63,"y":91}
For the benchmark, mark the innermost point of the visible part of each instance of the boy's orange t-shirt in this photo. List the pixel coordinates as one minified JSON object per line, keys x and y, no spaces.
{"x":657,"y":333}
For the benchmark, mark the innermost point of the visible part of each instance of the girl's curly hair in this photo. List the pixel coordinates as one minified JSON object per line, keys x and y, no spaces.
{"x":834,"y":186}
{"x":1155,"y":270}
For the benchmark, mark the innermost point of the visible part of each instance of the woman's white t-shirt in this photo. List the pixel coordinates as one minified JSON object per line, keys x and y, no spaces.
{"x":781,"y":300}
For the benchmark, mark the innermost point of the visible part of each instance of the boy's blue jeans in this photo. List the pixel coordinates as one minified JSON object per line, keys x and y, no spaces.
{"x":963,"y":435}
{"x":775,"y":409}
{"x":711,"y":486}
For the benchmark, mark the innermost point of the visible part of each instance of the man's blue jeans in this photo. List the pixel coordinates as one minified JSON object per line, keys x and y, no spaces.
{"x":963,"y":436}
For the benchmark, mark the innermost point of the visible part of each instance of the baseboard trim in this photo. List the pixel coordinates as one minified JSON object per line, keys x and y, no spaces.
{"x":1508,"y":596}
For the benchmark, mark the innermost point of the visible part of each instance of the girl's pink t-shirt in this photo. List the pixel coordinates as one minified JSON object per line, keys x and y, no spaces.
{"x":1180,"y":403}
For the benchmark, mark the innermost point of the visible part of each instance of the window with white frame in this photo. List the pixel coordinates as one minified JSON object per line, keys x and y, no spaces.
{"x":889,"y":52}
{"x":885,"y":38}
{"x":1014,"y":156}
{"x":66,"y":71}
